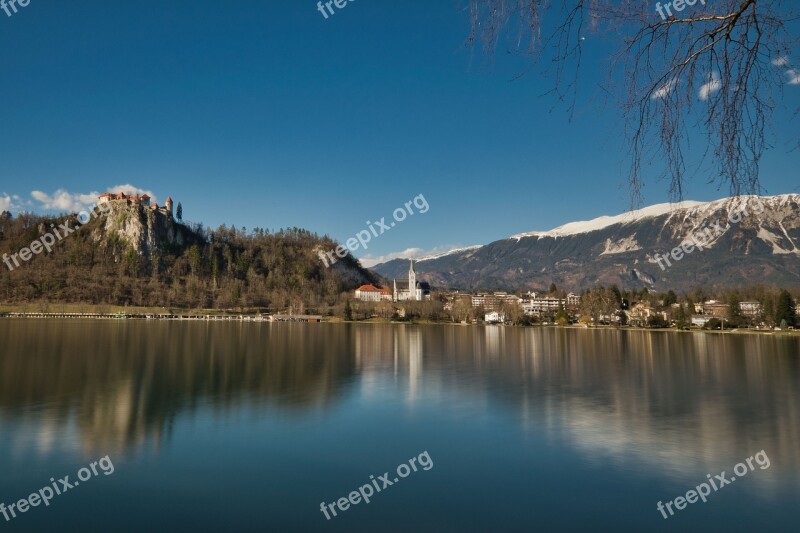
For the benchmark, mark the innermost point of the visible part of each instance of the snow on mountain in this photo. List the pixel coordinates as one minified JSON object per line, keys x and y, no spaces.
{"x":752,"y":238}
{"x":449,"y":252}
{"x":585,"y":226}
{"x":689,"y":208}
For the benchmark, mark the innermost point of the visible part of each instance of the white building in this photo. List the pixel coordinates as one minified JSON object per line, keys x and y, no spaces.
{"x":750,"y":308}
{"x":494,"y":317}
{"x":371,"y":293}
{"x":538,"y":306}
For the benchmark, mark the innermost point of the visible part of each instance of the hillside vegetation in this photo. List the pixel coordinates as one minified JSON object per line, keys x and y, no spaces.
{"x":134,"y":256}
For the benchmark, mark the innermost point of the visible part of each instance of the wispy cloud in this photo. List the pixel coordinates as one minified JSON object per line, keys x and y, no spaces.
{"x":794,"y":76}
{"x":72,"y":202}
{"x":710,"y":87}
{"x":408,"y":253}
{"x":780,"y":61}
{"x":9,"y":202}
{"x":664,"y":90}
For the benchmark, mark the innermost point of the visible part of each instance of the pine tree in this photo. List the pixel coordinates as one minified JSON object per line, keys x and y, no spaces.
{"x":680,"y":318}
{"x":179,"y":212}
{"x":769,"y":311}
{"x":734,"y":310}
{"x":785,"y":310}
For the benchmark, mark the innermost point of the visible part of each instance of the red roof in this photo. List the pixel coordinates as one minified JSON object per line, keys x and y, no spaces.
{"x":169,"y":199}
{"x":368,"y":288}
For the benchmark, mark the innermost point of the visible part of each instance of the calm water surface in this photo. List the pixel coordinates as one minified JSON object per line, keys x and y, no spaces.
{"x":250,"y":427}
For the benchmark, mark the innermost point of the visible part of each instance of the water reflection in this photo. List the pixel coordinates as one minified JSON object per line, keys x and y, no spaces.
{"x":682,"y":403}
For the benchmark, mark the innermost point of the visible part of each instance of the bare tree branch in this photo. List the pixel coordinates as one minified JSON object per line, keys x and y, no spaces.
{"x":716,"y":69}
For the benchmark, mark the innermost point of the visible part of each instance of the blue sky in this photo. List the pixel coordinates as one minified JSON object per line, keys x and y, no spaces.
{"x":266,"y":114}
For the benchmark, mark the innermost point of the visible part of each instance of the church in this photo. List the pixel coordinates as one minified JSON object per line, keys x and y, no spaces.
{"x":411,"y":289}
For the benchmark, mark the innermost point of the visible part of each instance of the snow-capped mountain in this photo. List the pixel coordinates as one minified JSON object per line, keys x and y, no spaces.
{"x":732,"y":241}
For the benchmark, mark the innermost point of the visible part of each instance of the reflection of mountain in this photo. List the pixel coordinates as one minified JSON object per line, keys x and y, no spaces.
{"x":672,"y":401}
{"x":675,"y":402}
{"x":120,"y":383}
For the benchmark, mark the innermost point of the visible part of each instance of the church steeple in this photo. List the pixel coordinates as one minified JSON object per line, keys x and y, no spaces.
{"x":412,"y":280}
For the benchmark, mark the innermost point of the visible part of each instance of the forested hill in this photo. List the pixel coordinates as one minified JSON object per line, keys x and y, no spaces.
{"x":137,"y":256}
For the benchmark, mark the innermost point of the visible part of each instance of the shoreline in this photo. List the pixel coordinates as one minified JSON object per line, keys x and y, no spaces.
{"x":231,"y":316}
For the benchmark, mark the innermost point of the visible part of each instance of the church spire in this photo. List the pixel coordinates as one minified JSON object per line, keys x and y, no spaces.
{"x":412,"y":281}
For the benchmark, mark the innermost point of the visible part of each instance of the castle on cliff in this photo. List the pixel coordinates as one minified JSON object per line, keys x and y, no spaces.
{"x":121,"y":198}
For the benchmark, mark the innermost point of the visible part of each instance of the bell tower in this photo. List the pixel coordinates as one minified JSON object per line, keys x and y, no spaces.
{"x":412,"y":281}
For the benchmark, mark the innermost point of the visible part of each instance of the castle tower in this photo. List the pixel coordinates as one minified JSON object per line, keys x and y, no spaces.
{"x":412,"y":281}
{"x":168,"y":205}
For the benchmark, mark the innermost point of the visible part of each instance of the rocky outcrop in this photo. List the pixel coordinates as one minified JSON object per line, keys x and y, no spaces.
{"x":141,"y":228}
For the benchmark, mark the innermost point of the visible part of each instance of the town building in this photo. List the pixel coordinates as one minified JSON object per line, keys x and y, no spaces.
{"x":715,"y":309}
{"x":494,"y":301}
{"x":371,"y":293}
{"x":494,"y":317}
{"x":540,"y":306}
{"x":750,"y":309}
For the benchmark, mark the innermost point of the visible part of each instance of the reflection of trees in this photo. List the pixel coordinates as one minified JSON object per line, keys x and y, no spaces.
{"x":675,"y":401}
{"x":124,"y":382}
{"x":678,"y":402}
{"x":672,"y":401}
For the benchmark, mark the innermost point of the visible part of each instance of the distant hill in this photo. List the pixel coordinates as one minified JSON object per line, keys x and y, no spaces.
{"x":139,"y":256}
{"x":763,"y":247}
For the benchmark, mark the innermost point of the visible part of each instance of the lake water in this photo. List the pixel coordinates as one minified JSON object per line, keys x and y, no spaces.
{"x":251,"y":426}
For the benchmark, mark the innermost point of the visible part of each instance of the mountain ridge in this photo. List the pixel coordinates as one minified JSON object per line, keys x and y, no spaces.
{"x":761,"y":243}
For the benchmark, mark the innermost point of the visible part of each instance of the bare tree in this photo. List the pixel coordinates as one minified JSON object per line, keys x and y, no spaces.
{"x":717,"y":67}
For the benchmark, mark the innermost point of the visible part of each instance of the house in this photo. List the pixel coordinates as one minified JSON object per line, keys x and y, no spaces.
{"x":715,"y":309}
{"x":573,"y":300}
{"x":700,"y":320}
{"x":494,"y":317}
{"x":539,"y":306}
{"x":410,"y":289}
{"x":639,"y":313}
{"x":494,"y":301}
{"x":371,"y":293}
{"x":751,"y":309}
